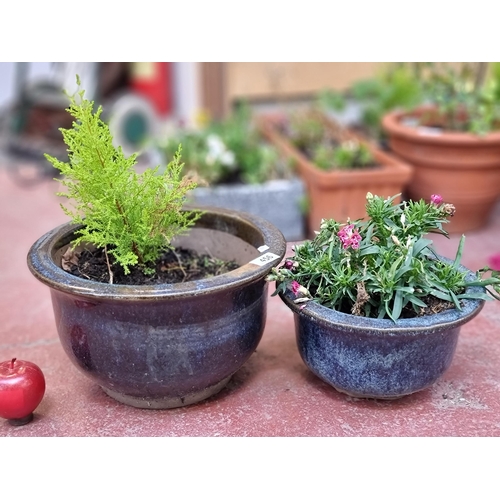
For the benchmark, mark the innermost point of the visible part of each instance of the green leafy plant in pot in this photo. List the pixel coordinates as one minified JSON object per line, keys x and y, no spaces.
{"x":173,"y":338}
{"x":309,"y":133}
{"x":452,"y":139}
{"x":236,"y":168}
{"x":377,"y":311}
{"x":228,"y":151}
{"x":132,"y":217}
{"x":337,"y":166}
{"x":397,"y":86}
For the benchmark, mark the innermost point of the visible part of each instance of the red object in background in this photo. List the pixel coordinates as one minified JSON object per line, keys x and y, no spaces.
{"x":494,"y":261}
{"x":22,"y":387}
{"x":153,"y":80}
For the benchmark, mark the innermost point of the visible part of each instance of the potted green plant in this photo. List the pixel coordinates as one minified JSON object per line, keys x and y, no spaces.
{"x":156,"y":302}
{"x":237,"y":169}
{"x":453,"y":141}
{"x":398,"y":86}
{"x":377,"y":311}
{"x":337,"y":166}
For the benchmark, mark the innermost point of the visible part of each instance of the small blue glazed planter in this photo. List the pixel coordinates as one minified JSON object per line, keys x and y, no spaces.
{"x":165,"y":346}
{"x":377,"y":358}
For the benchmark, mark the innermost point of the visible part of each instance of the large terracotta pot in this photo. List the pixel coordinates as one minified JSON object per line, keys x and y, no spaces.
{"x":377,"y":358}
{"x":463,"y":168}
{"x":339,"y":194}
{"x":164,"y":346}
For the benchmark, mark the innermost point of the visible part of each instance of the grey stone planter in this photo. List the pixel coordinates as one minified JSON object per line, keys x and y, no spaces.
{"x":278,"y":201}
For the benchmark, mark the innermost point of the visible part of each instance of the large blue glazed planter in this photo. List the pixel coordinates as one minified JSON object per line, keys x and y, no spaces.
{"x":377,"y":358}
{"x":166,"y":346}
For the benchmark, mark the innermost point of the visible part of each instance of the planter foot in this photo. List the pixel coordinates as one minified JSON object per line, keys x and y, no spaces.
{"x":365,"y":396}
{"x":163,"y":403}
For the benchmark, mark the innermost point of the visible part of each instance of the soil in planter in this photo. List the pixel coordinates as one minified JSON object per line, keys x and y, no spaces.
{"x":434,"y":305}
{"x":174,"y":266}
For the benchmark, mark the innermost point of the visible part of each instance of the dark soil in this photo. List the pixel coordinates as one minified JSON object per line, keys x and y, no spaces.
{"x":174,"y":266}
{"x":433,"y":306}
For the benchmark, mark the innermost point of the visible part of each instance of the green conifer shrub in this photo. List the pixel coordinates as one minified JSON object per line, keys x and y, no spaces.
{"x":132,"y":216}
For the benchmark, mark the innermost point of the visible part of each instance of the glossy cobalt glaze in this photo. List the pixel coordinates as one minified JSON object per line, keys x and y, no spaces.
{"x":165,"y":346}
{"x":373,"y":358}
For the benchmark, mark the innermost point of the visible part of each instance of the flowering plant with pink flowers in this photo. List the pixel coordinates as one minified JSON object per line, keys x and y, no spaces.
{"x":383,"y":266}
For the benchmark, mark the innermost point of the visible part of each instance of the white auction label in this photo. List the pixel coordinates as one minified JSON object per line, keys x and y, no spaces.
{"x":265,"y":258}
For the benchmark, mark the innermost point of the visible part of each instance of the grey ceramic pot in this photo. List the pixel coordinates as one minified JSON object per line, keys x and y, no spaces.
{"x":284,"y":211}
{"x":373,"y":358}
{"x":166,"y":346}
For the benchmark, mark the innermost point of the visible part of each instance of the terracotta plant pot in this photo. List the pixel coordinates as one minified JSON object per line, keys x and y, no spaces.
{"x":339,"y":194}
{"x":377,"y":358}
{"x":463,"y":168}
{"x":164,"y":346}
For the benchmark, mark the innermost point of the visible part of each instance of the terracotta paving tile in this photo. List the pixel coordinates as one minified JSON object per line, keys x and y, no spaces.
{"x":274,"y":394}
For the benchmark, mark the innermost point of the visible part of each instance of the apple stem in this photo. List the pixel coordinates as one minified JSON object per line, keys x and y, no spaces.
{"x":12,"y":363}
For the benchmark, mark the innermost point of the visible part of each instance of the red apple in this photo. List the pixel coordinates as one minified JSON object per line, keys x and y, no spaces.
{"x":22,"y":386}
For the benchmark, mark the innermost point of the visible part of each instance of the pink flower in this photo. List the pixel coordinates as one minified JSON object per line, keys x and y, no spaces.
{"x":436,"y":199}
{"x":288,"y":264}
{"x":349,"y":237}
{"x":494,"y":262}
{"x":295,"y":287}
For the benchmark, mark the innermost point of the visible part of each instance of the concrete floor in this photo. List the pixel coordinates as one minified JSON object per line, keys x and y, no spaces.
{"x":274,"y":394}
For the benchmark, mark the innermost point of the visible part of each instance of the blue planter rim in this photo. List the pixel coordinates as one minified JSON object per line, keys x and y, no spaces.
{"x":43,"y":267}
{"x":445,"y":320}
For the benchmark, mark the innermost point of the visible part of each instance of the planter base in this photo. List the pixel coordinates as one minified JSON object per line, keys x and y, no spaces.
{"x":168,"y":402}
{"x":368,"y":396}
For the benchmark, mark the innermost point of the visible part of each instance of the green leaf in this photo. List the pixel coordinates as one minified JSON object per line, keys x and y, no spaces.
{"x":419,"y":245}
{"x":398,"y":305}
{"x":460,"y":250}
{"x":416,"y":301}
{"x":441,"y":295}
{"x":371,"y":250}
{"x":455,"y":300}
{"x":402,"y":271}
